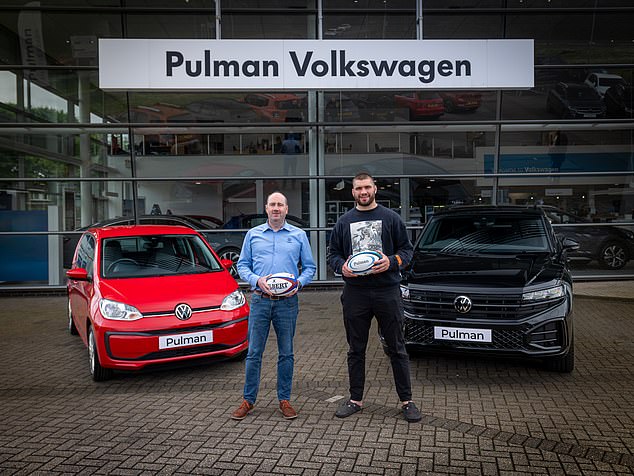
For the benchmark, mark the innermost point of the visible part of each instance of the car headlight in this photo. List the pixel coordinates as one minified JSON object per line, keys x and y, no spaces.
{"x":544,"y":294}
{"x":119,"y":311}
{"x":404,"y":292}
{"x":233,"y":301}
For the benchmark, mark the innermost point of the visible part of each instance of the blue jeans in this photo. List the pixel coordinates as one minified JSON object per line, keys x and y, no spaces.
{"x":283,"y":315}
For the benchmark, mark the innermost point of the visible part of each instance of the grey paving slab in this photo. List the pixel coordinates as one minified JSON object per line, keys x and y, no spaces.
{"x":481,"y":416}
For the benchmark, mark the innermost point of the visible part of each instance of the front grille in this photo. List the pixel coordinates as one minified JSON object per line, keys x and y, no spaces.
{"x":421,"y":332}
{"x":440,"y":305}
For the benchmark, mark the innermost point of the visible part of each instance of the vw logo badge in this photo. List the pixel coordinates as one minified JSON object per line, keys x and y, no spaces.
{"x":462,"y":304}
{"x":183,"y":312}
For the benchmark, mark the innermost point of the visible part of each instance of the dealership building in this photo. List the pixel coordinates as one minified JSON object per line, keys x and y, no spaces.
{"x":193,"y":111}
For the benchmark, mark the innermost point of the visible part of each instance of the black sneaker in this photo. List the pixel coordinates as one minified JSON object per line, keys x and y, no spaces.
{"x":347,"y":408}
{"x":411,"y":413}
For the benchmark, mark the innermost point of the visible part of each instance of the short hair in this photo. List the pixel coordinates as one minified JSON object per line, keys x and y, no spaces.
{"x":273,"y":193}
{"x":363,"y":176}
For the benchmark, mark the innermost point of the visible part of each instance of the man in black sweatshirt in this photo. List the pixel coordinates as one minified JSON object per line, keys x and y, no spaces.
{"x":370,"y":226}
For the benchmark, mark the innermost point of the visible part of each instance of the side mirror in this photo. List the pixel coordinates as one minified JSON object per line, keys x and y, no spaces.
{"x":227,"y":263}
{"x":569,"y":245}
{"x":77,"y":274}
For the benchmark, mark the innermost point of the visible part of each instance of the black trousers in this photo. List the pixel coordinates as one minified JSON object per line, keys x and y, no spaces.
{"x":360,"y":305}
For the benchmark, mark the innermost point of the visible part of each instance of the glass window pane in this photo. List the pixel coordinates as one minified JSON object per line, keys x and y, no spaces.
{"x":213,"y":154}
{"x":437,"y":26}
{"x":579,"y":93}
{"x":565,"y":150}
{"x":457,"y":4}
{"x":263,"y":4}
{"x":576,"y":38}
{"x":427,"y":152}
{"x":369,"y":4}
{"x":182,"y":25}
{"x":268,"y":26}
{"x":237,"y":107}
{"x":52,"y":97}
{"x":594,"y":211}
{"x":53,"y":38}
{"x":400,"y":106}
{"x":369,"y":26}
{"x":46,"y":153}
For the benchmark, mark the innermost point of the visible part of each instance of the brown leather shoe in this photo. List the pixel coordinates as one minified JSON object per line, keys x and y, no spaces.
{"x":288,"y":411}
{"x":242,"y":411}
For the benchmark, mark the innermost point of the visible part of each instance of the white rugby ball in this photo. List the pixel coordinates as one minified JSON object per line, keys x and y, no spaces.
{"x":361,"y":263}
{"x":281,"y":284}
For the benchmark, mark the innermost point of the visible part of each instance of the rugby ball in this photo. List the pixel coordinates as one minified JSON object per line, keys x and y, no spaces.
{"x":361,"y":263}
{"x":281,"y":284}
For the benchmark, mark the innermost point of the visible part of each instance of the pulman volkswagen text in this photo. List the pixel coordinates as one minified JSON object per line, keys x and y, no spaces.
{"x":153,"y":294}
{"x":491,"y":280}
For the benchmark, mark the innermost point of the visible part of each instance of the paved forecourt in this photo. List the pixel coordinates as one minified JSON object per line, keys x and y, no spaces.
{"x":481,"y":416}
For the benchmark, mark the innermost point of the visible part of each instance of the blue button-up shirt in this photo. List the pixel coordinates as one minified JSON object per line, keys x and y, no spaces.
{"x":265,"y":251}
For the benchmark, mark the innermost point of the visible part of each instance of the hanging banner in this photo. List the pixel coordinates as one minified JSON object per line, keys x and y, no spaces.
{"x":205,"y":65}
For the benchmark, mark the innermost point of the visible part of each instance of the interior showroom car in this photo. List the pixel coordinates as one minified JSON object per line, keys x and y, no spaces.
{"x":492,"y":280}
{"x":144,"y":295}
{"x":610,"y":246}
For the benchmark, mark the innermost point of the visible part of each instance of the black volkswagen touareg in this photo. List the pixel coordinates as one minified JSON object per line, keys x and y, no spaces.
{"x":491,"y":280}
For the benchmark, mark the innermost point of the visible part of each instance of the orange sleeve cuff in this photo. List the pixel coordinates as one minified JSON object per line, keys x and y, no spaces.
{"x":398,"y":260}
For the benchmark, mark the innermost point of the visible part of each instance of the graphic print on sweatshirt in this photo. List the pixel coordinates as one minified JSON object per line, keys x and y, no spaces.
{"x":366,"y":235}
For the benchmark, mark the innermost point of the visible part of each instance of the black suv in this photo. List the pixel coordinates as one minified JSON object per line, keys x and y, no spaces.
{"x":492,"y":280}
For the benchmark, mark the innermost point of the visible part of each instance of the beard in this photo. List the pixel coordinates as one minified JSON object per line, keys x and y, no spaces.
{"x":365,"y":200}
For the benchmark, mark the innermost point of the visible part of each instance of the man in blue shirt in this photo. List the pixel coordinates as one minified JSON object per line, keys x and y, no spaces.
{"x":273,"y":247}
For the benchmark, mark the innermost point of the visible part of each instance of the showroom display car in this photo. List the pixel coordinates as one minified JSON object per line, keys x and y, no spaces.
{"x":610,"y":246}
{"x":492,"y":280}
{"x":149,"y":294}
{"x":228,"y":243}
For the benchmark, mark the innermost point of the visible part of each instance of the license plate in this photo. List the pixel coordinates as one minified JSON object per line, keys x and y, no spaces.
{"x":462,"y":334}
{"x":590,"y":115}
{"x":185,"y":340}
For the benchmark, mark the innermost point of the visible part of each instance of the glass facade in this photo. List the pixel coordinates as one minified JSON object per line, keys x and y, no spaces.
{"x":72,"y":155}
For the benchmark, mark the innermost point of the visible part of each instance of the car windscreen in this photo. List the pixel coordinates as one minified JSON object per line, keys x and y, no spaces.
{"x":484,"y":233}
{"x":156,"y":255}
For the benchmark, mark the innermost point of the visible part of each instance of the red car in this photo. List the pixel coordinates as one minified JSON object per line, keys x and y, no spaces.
{"x":153,"y":294}
{"x":285,"y":107}
{"x":421,"y":104}
{"x":461,"y":100}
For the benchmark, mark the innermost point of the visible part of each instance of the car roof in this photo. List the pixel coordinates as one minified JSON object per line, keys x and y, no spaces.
{"x":118,"y":221}
{"x":141,"y":230}
{"x":607,"y":76}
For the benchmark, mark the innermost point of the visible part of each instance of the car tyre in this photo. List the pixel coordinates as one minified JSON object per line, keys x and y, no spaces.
{"x":233,"y":254}
{"x":99,"y":373}
{"x":563,"y":364}
{"x":72,"y":329}
{"x":613,"y":255}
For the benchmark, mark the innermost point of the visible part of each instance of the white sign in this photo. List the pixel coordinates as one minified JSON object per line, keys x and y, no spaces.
{"x":203,"y":65}
{"x":462,"y":334}
{"x":184,"y":340}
